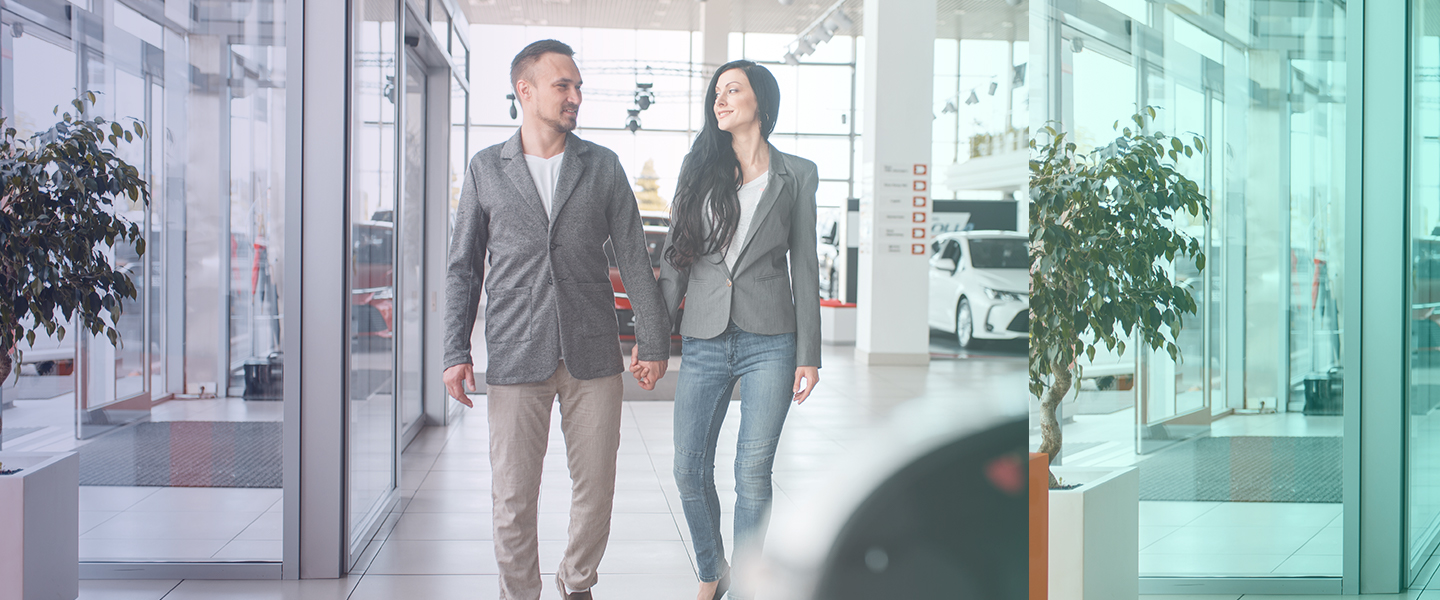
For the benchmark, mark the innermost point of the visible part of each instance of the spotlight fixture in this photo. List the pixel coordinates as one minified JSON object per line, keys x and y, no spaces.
{"x":950,"y":108}
{"x":1077,"y":45}
{"x":513,"y":113}
{"x":643,"y":96}
{"x":993,"y":86}
{"x":1019,"y":79}
{"x":632,"y":121}
{"x":17,"y":29}
{"x":973,"y":99}
{"x":818,"y":31}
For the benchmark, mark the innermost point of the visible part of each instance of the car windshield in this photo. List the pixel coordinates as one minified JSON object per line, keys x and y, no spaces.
{"x":999,"y":253}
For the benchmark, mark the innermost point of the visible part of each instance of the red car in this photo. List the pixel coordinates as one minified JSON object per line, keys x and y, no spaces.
{"x":372,"y":298}
{"x":657,"y":226}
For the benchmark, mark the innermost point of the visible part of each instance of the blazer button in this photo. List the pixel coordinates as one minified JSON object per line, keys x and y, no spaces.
{"x":727,"y":283}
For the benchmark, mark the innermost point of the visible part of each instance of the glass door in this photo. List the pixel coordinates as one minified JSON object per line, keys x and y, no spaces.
{"x":1176,"y":393}
{"x":116,"y":388}
{"x":38,"y":399}
{"x":371,"y":426}
{"x":411,"y":246}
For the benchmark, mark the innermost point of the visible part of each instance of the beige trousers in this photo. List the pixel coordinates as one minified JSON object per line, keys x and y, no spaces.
{"x":519,"y":432}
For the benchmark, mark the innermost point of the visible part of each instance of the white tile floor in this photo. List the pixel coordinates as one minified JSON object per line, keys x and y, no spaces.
{"x":436,"y":543}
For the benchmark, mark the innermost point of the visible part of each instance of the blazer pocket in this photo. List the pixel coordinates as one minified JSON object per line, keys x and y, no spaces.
{"x":508,"y":316}
{"x":771,"y":276}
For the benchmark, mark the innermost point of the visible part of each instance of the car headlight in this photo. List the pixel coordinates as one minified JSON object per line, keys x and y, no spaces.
{"x":1003,"y":296}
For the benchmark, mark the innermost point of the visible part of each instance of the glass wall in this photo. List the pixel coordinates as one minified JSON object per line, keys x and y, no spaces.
{"x":177,"y":427}
{"x":1237,"y":443}
{"x":1423,"y":439}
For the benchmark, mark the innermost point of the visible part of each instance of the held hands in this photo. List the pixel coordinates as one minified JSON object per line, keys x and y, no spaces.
{"x":458,"y":379}
{"x":810,"y":376}
{"x":647,"y":372}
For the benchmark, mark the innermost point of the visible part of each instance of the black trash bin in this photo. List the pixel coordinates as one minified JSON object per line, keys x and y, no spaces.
{"x":1325,"y":394}
{"x":264,"y":378}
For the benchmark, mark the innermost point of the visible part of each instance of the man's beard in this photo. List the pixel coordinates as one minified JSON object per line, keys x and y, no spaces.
{"x":562,"y":124}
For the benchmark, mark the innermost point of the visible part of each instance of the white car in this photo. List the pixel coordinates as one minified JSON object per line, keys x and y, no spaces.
{"x":979,"y":285}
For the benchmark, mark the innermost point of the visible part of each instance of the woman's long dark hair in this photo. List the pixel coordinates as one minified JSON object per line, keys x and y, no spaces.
{"x":706,"y":209}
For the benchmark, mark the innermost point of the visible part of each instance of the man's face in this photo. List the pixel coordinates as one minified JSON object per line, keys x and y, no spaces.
{"x":550,"y":93}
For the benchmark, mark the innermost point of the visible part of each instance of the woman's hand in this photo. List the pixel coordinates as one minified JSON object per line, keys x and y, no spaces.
{"x":810,"y":376}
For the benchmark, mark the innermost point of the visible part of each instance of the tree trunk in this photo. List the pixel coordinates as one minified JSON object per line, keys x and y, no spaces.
{"x":5,"y":366}
{"x":1049,"y":425}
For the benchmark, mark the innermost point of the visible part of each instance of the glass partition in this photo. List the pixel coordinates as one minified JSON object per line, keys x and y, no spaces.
{"x":1238,"y":443}
{"x":177,"y":427}
{"x":1423,"y":399}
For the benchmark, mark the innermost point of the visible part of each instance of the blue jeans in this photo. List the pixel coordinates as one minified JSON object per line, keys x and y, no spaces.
{"x":764,"y":367}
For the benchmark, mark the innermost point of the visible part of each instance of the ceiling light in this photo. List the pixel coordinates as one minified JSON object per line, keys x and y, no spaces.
{"x":973,"y":99}
{"x":791,"y":60}
{"x":842,"y":19}
{"x":821,"y":34}
{"x":804,"y":47}
{"x":993,"y":87}
{"x":950,"y":108}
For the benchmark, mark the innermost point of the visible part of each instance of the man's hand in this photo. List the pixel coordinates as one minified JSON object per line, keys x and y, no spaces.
{"x":646,"y":372}
{"x":808,"y":375}
{"x":458,"y":379}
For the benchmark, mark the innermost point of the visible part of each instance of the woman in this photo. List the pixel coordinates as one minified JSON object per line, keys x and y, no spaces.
{"x":740,"y":208}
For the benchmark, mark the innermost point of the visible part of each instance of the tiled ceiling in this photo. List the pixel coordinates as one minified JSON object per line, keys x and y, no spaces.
{"x":955,"y":19}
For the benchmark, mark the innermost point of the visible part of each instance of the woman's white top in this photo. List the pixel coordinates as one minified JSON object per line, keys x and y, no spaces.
{"x":750,"y":194}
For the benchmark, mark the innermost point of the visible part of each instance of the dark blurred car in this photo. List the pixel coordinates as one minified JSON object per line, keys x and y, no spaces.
{"x":827,"y":236}
{"x":657,"y":226}
{"x":372,"y":296}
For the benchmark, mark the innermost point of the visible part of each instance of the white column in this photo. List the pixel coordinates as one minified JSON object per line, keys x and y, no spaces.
{"x":894,"y":190}
{"x":714,"y":33}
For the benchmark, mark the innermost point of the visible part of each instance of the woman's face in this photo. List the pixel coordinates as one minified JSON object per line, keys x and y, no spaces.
{"x":735,"y":103}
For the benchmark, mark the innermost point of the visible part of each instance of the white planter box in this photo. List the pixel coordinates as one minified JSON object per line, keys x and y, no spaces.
{"x":1095,"y":535}
{"x":837,"y":325}
{"x":40,"y":515}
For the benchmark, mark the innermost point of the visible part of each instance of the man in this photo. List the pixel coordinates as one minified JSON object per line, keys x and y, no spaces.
{"x":537,"y":210}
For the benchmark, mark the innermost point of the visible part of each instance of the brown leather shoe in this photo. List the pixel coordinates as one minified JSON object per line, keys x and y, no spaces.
{"x":564,"y":595}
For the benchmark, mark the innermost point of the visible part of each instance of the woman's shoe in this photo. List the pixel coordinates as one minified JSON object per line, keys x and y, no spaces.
{"x":721,"y":587}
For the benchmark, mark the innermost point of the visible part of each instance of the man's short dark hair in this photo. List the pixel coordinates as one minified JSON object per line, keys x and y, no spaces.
{"x":527,"y":57}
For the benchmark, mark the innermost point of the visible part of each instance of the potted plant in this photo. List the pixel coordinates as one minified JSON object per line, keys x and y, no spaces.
{"x":57,"y":223}
{"x":1103,"y":234}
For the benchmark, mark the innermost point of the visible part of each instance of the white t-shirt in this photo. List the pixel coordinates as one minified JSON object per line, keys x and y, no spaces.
{"x":750,"y":194}
{"x":545,"y":172}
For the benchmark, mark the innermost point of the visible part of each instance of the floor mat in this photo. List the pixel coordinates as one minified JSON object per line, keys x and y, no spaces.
{"x":186,"y":454}
{"x":1245,"y":469}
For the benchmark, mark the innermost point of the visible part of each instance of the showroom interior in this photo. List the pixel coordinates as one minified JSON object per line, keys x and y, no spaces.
{"x":240,"y":447}
{"x":231,"y":446}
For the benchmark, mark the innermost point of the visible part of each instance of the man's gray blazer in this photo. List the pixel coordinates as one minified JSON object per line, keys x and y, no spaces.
{"x":549,"y":281}
{"x":762,"y":294}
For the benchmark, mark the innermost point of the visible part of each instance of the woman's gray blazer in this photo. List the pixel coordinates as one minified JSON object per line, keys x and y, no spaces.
{"x":763,"y":294}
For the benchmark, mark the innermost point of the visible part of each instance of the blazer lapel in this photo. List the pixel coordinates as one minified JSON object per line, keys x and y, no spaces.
{"x":571,"y":168}
{"x":519,"y":174}
{"x":767,"y":200}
